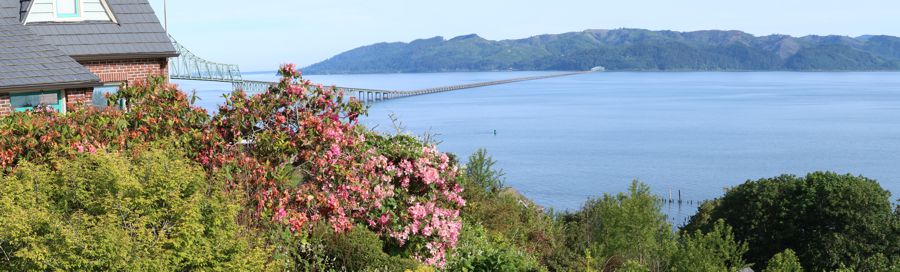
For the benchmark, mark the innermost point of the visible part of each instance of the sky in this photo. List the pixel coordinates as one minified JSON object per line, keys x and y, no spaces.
{"x":260,"y":35}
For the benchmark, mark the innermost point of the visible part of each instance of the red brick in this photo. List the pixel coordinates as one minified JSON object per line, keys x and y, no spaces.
{"x":4,"y":104}
{"x":76,"y":98}
{"x":128,"y":71}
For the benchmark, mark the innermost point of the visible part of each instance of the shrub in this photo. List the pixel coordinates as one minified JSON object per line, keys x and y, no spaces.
{"x":159,"y":111}
{"x":623,"y":227}
{"x":633,"y":266}
{"x":298,"y":150}
{"x":480,"y":171}
{"x":786,"y":261}
{"x":503,"y":211}
{"x":105,"y":211}
{"x":292,"y":252}
{"x":828,"y":219}
{"x":358,"y":250}
{"x":713,"y":251}
{"x":481,"y":251}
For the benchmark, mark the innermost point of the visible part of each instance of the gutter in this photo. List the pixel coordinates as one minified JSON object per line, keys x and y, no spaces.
{"x":51,"y":86}
{"x":126,"y":56}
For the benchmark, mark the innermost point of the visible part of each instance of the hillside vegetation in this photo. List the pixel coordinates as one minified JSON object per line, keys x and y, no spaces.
{"x":622,"y":50}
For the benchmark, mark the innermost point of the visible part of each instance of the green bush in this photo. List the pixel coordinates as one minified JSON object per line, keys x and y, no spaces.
{"x":480,"y":171}
{"x":357,"y":250}
{"x":292,"y":252}
{"x":618,"y":228}
{"x":713,"y":251}
{"x":633,"y":266}
{"x":102,"y":211}
{"x":481,"y":251}
{"x":505,"y":212}
{"x":828,"y":219}
{"x":786,"y":261}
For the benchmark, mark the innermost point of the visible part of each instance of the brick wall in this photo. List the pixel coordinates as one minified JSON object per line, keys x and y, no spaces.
{"x":76,"y":98}
{"x":4,"y":104}
{"x":128,"y":71}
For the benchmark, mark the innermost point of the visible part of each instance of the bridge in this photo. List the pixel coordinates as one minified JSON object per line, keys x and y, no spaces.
{"x":368,"y":95}
{"x":188,"y":66}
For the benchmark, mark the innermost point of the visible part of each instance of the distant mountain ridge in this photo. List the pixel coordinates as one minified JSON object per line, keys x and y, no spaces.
{"x":623,"y":50}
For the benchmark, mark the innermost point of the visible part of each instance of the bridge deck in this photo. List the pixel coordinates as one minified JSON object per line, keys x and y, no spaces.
{"x":188,"y":66}
{"x":374,"y":95}
{"x":368,"y":95}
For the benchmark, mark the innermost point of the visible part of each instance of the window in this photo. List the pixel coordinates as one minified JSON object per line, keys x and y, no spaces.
{"x":99,"y":96}
{"x":68,"y":8}
{"x":29,"y":101}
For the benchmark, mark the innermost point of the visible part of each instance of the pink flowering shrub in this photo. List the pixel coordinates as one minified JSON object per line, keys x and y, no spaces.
{"x":297,"y":151}
{"x":300,"y":154}
{"x":158,"y":111}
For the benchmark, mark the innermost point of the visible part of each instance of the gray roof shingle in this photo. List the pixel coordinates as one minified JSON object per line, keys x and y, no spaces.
{"x":138,"y":32}
{"x":28,"y":60}
{"x":9,"y":10}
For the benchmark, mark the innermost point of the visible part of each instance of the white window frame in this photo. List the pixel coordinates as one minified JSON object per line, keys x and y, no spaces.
{"x":78,"y":15}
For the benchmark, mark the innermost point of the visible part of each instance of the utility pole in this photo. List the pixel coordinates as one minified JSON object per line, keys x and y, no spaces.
{"x":166,"y":15}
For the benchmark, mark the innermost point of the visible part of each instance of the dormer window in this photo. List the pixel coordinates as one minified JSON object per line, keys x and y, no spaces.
{"x":69,"y":11}
{"x":68,"y":8}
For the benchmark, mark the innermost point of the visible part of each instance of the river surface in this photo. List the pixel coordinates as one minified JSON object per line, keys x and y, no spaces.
{"x":564,"y":140}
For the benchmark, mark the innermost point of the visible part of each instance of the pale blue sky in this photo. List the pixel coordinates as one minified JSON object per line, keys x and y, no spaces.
{"x":261,"y":34}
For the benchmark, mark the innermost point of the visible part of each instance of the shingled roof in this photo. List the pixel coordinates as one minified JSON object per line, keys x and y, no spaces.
{"x":138,"y":33}
{"x":9,"y":10}
{"x":27,"y":61}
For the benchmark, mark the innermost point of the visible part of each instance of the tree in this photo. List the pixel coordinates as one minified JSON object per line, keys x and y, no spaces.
{"x":713,"y":251}
{"x":828,"y":219}
{"x":626,"y":227}
{"x":786,"y":261}
{"x":480,"y":171}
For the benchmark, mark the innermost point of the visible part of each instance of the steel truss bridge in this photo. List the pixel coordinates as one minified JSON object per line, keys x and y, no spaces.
{"x":188,"y":66}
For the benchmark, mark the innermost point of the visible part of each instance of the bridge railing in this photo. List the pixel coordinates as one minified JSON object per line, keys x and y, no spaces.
{"x":191,"y":67}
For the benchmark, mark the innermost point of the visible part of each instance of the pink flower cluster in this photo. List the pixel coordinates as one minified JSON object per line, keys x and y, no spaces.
{"x":312,"y":131}
{"x":84,"y":147}
{"x":439,"y":227}
{"x":431,"y":218}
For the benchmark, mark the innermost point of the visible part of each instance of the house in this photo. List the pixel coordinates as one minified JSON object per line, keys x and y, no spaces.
{"x":67,"y":53}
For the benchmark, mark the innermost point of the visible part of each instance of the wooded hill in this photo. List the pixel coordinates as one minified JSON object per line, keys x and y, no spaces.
{"x":623,"y":50}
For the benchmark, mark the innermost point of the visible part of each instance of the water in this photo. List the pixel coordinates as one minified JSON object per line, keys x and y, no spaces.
{"x":563,"y":140}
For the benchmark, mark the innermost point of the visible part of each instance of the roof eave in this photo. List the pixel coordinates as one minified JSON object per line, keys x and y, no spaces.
{"x":125,"y":56}
{"x":51,"y":86}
